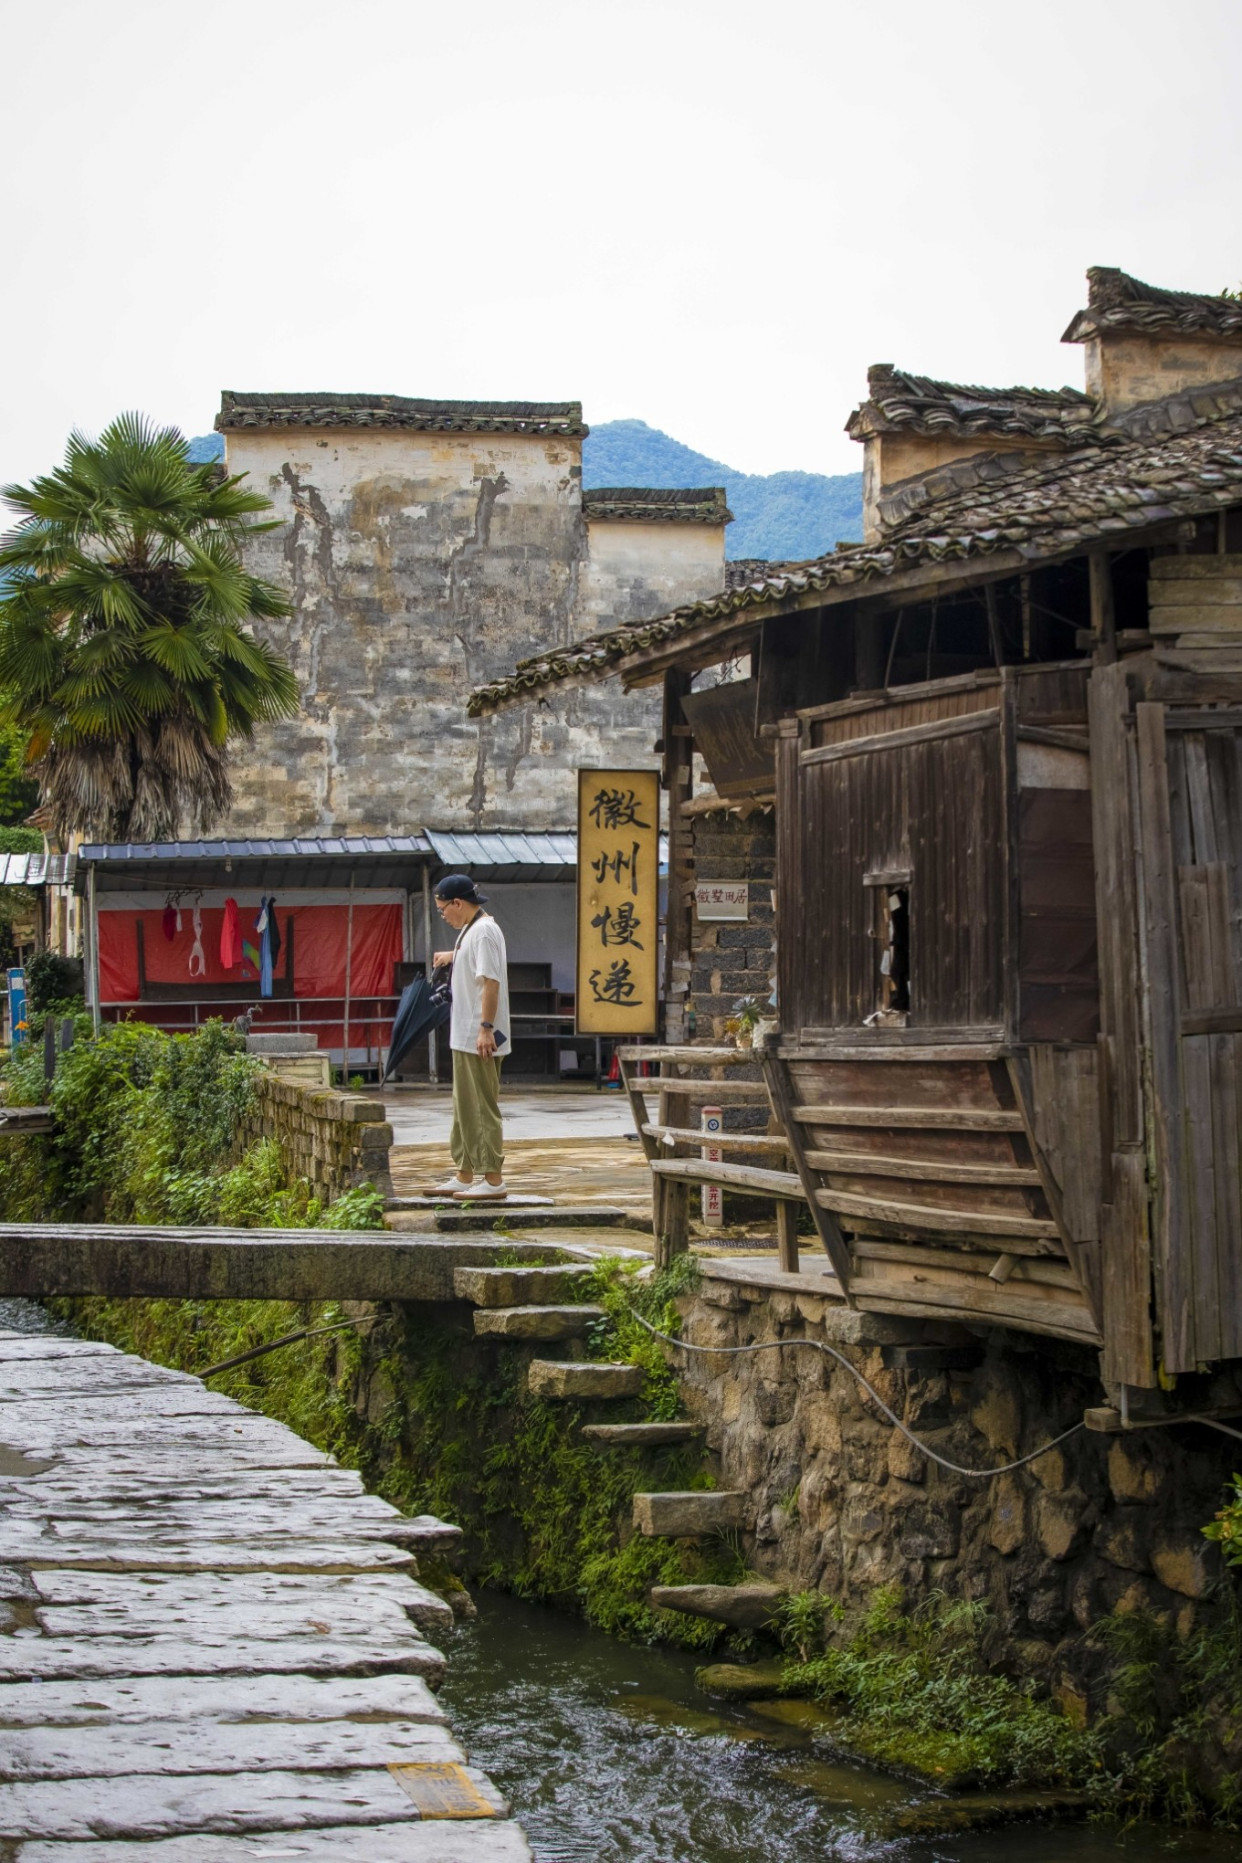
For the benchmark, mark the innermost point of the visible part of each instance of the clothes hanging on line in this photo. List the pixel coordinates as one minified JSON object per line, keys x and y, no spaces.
{"x":230,"y":937}
{"x":198,"y":957}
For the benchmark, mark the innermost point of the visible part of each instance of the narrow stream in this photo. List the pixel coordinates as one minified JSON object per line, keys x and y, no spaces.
{"x":609,"y":1754}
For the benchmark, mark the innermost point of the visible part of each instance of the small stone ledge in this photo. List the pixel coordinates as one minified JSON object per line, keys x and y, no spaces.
{"x":334,"y":1140}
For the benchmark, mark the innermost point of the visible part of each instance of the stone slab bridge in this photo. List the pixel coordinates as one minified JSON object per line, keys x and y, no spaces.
{"x":216,"y":1638}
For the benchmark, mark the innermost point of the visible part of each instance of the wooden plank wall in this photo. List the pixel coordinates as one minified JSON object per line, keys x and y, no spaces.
{"x":1190,"y":782}
{"x":1125,"y":1241}
{"x":933,"y":807}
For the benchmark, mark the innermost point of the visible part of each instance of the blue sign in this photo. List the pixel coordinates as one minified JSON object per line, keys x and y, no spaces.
{"x":17,"y":1007}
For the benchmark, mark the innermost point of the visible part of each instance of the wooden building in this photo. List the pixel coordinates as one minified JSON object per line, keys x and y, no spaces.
{"x":1003,"y":737}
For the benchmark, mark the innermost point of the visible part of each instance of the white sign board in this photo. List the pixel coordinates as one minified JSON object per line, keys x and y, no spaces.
{"x":713,"y":1196}
{"x":722,"y":899}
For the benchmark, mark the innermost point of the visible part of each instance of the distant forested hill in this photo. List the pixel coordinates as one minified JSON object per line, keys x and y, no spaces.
{"x":778,"y":516}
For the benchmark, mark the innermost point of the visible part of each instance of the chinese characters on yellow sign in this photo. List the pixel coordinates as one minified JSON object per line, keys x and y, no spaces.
{"x":618,"y":901}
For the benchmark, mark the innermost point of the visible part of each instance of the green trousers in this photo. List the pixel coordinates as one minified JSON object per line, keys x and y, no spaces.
{"x":476,"y":1141}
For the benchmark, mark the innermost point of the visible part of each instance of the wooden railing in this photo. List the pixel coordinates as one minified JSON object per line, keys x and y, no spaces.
{"x":674,"y":1147}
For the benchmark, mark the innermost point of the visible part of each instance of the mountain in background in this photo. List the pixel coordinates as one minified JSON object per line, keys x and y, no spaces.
{"x":778,"y":516}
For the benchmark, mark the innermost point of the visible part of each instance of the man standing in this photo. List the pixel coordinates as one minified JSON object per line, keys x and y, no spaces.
{"x":478,"y":1028}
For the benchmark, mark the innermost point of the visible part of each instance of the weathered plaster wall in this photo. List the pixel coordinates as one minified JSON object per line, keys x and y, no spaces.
{"x":420,"y":565}
{"x":1127,"y":370}
{"x":634,"y":571}
{"x":844,"y":1503}
{"x":891,"y":458}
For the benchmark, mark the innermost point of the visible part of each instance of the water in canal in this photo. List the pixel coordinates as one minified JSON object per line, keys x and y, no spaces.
{"x":610,"y":1755}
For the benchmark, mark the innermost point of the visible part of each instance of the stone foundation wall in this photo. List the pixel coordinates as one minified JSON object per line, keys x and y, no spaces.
{"x":335,"y":1140}
{"x":844,"y":1503}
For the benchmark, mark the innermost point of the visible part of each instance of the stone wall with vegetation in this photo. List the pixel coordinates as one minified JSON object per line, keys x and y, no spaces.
{"x":335,"y":1141}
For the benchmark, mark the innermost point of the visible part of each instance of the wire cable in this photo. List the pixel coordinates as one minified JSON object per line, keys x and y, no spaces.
{"x":819,"y":1345}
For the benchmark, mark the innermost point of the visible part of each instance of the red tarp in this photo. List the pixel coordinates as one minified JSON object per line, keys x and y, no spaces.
{"x":318,"y":940}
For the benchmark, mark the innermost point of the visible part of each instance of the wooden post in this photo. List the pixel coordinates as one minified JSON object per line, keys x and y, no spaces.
{"x":92,"y":906}
{"x":433,"y":1066}
{"x":787,"y":1236}
{"x":349,"y":976}
{"x":678,"y":775}
{"x":1103,"y":614}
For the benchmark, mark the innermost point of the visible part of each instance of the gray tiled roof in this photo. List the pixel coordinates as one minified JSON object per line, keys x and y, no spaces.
{"x":562,"y":418}
{"x":640,"y":504}
{"x":898,"y":402}
{"x":1173,"y":458}
{"x":1118,"y":304}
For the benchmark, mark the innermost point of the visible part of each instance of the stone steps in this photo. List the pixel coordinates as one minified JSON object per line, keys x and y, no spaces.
{"x":425,"y":1216}
{"x":641,"y":1435}
{"x":535,"y":1322}
{"x":583,"y":1379}
{"x":745,"y":1607}
{"x":521,"y":1287}
{"x":692,"y":1514}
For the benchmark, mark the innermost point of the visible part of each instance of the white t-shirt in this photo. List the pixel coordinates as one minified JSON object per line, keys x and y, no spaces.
{"x":480,"y":954}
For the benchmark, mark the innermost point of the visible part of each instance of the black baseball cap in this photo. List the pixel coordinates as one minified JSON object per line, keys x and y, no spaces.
{"x":460,"y":886}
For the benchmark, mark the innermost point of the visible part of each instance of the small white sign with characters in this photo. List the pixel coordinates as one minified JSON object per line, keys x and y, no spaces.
{"x":721,"y":899}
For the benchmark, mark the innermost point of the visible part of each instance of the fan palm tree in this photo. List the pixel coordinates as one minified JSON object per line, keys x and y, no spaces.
{"x":127,"y":658}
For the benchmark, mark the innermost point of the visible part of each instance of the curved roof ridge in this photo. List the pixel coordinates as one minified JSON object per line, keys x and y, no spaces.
{"x":1119,"y":303}
{"x":328,"y":408}
{"x":899,"y":400}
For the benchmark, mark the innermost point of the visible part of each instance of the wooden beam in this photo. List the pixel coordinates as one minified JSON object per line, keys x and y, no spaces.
{"x":933,"y":1216}
{"x":922,"y":1170}
{"x":726,"y":1141}
{"x":1103,"y":611}
{"x":745,"y":1177}
{"x":939,"y":728}
{"x":929,"y":1118}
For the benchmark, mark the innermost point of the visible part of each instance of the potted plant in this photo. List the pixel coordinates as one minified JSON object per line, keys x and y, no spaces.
{"x":748,"y":1012}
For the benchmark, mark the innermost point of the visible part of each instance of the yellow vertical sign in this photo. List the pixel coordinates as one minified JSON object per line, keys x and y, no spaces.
{"x":618,"y":902}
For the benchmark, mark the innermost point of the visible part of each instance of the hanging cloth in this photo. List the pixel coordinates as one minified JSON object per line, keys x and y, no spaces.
{"x":230,"y":937}
{"x":198,"y":957}
{"x":170,"y":921}
{"x":274,"y":929}
{"x":263,"y":925}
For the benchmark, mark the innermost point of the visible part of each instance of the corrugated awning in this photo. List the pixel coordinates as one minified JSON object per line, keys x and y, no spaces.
{"x":308,"y":861}
{"x":325,"y":860}
{"x":37,"y":869}
{"x":515,"y":856}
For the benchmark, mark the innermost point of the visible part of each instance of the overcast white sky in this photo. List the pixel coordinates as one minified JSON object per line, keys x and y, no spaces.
{"x":710,"y":214}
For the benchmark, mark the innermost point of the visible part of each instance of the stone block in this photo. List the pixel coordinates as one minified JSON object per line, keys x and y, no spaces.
{"x":1062,"y":1522}
{"x":1007,"y":1528}
{"x":745,"y":1607}
{"x":1122,"y":1539}
{"x":640,"y":1435}
{"x":365,"y":1112}
{"x":558,"y":1379}
{"x":691,"y":1515}
{"x":1182,"y":1565}
{"x":535,"y":1322}
{"x":281,"y":1044}
{"x":1132,"y":1475}
{"x":518,"y":1287}
{"x":928,"y":1532}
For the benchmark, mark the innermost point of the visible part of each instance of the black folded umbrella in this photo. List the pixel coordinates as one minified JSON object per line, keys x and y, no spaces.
{"x":424,"y":1006}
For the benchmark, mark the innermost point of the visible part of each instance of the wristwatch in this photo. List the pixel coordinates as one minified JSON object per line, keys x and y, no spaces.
{"x":487,"y":1025}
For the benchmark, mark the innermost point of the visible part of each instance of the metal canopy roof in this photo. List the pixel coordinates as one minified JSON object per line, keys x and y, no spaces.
{"x":316,"y":860}
{"x":507,"y":856}
{"x":514,"y":856}
{"x":37,"y":869}
{"x":324,"y":860}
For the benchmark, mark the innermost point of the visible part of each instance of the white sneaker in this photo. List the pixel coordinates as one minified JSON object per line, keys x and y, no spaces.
{"x":449,"y":1187}
{"x":481,"y":1192}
